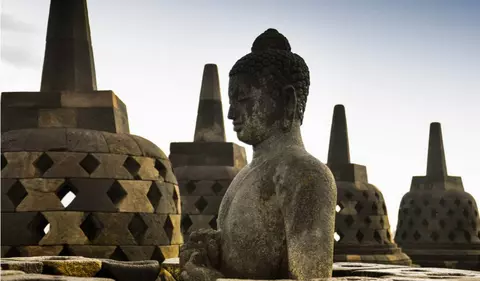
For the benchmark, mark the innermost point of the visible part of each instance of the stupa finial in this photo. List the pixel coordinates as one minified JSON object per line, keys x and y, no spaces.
{"x":339,"y":150}
{"x":210,"y":126}
{"x":68,"y":64}
{"x":436,"y":163}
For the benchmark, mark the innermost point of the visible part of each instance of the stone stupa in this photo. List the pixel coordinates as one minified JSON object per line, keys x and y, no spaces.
{"x":438,"y":222}
{"x":361,"y":226}
{"x":70,"y":138}
{"x":205,"y":167}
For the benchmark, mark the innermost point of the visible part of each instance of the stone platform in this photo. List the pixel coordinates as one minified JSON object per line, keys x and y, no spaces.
{"x":69,"y":268}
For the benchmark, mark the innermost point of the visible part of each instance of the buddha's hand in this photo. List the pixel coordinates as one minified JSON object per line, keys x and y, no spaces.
{"x":206,"y":244}
{"x":197,"y":269}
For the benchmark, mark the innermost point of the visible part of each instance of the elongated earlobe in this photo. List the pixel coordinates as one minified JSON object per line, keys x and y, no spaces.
{"x":290,"y":104}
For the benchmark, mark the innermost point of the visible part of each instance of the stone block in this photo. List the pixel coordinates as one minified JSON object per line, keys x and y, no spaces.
{"x":31,"y":99}
{"x":165,"y":201}
{"x":57,"y":118}
{"x":197,"y":173}
{"x":66,"y":164}
{"x":88,"y":100}
{"x":114,"y":229}
{"x":137,"y":253}
{"x":207,"y":154}
{"x":81,"y":140}
{"x":7,"y":204}
{"x":26,"y":266}
{"x":14,"y":141}
{"x":127,"y":271}
{"x":136,"y":199}
{"x":71,"y":266}
{"x":34,"y":251}
{"x":18,"y":118}
{"x":205,"y":205}
{"x":111,"y":166}
{"x":91,"y":195}
{"x":20,"y":165}
{"x":195,"y":222}
{"x":91,"y":251}
{"x":52,"y":139}
{"x":162,"y":253}
{"x":25,"y":228}
{"x":10,"y":272}
{"x":46,"y":277}
{"x":64,"y":229}
{"x":157,"y":230}
{"x":147,"y":169}
{"x":121,"y":121}
{"x":97,"y":118}
{"x":41,"y":195}
{"x":349,"y":173}
{"x":122,"y":144}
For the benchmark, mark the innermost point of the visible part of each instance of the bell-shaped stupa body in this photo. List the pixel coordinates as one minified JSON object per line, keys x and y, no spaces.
{"x":438,"y":222}
{"x":70,"y":140}
{"x":205,"y":167}
{"x":361,"y":226}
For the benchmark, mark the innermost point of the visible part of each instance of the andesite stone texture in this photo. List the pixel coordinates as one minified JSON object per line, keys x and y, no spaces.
{"x":276,"y":220}
{"x":70,"y":139}
{"x":362,"y":227}
{"x":205,"y":167}
{"x":438,"y":222}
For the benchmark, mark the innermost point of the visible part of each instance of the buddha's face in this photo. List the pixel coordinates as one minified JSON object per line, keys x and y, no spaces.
{"x":255,"y":114}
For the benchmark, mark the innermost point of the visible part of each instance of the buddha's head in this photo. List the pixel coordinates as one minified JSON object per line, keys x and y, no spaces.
{"x":268,"y":89}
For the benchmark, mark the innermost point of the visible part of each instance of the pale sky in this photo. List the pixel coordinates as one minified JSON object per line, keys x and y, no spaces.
{"x":397,"y":66}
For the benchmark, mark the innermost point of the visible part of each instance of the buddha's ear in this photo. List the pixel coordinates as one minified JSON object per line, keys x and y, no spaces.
{"x":289,"y":96}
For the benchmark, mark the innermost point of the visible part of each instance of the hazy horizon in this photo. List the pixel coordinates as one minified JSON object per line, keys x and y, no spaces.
{"x":397,"y":66}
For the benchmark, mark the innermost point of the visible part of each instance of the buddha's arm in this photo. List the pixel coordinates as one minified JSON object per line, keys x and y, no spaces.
{"x":307,"y":198}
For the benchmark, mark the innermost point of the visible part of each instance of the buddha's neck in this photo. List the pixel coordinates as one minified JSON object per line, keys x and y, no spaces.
{"x":276,"y":143}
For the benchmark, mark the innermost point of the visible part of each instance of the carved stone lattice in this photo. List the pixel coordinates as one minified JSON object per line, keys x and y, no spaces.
{"x":72,"y":142}
{"x":362,"y":229}
{"x":438,"y":222}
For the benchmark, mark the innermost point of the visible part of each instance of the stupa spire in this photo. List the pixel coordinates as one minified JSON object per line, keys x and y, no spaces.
{"x":68,"y":64}
{"x":210,"y":126}
{"x":436,"y":163}
{"x":339,"y":150}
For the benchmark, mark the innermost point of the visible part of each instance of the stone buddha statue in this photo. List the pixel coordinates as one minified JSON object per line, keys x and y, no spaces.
{"x":276,"y":220}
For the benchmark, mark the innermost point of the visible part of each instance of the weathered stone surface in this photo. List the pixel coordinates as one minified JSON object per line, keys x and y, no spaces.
{"x":10,"y":272}
{"x":33,"y":251}
{"x":115,"y":229}
{"x":41,"y":195}
{"x":127,"y":271}
{"x":164,"y":197}
{"x":111,"y":166}
{"x":438,"y":222}
{"x":24,"y":117}
{"x":20,"y":165}
{"x":207,"y":154}
{"x":7,"y":202}
{"x":137,"y":199}
{"x":80,"y":140}
{"x":57,"y":118}
{"x":52,"y":139}
{"x":72,"y":266}
{"x":24,"y":228}
{"x":362,"y":227}
{"x":44,"y":277}
{"x":91,"y":251}
{"x":91,"y":195}
{"x":122,"y":144}
{"x":64,"y":228}
{"x":23,"y":266}
{"x":197,"y":173}
{"x":282,"y":204}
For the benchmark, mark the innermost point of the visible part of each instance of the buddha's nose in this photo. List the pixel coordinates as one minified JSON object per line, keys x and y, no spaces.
{"x":231,"y":114}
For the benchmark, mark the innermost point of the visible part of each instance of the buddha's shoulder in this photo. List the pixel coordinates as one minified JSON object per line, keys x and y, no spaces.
{"x":300,"y":162}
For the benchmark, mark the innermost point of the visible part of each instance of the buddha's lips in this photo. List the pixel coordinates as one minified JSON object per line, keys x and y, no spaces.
{"x":237,"y":126}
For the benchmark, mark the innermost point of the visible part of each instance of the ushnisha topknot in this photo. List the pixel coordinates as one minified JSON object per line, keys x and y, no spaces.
{"x":271,"y":57}
{"x":271,"y":39}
